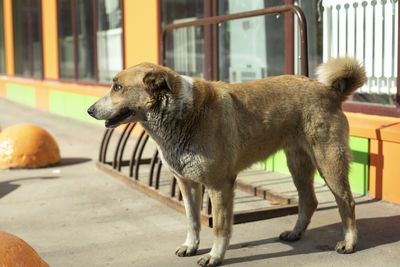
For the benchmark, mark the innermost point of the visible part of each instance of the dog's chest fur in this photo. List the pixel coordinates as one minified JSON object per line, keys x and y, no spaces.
{"x":164,"y":124}
{"x":176,"y":151}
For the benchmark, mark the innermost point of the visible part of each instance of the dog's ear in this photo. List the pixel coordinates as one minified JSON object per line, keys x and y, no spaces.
{"x":158,"y":82}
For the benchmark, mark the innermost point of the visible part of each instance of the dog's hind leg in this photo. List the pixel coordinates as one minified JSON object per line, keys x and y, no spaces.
{"x":333,"y":164}
{"x":192,"y":198}
{"x":222,"y":212}
{"x":302,"y":169}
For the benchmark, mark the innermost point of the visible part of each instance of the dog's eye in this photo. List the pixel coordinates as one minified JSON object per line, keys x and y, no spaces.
{"x":117,"y":87}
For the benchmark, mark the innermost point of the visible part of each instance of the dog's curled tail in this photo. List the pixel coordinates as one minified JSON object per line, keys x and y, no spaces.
{"x":345,"y":75}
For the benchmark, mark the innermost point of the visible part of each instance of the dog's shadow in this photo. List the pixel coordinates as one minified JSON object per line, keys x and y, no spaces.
{"x":373,"y":232}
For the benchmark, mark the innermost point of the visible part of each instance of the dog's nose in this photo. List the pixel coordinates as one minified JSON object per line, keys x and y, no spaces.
{"x":91,"y":111}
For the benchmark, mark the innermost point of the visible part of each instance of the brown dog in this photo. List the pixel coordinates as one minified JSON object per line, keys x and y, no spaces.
{"x":207,"y":132}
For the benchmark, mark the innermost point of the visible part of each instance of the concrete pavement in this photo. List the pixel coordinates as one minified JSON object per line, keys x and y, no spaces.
{"x":76,"y":215}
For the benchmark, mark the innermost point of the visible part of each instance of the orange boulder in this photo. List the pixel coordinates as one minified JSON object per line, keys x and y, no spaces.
{"x":16,"y":252}
{"x":27,"y":146}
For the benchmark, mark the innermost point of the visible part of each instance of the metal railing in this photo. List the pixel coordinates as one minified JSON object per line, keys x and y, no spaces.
{"x":261,"y":12}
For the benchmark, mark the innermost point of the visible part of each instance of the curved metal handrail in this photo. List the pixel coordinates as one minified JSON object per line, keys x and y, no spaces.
{"x":223,"y":18}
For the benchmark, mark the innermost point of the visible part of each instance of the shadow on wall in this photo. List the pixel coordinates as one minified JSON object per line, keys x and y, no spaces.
{"x":373,"y":232}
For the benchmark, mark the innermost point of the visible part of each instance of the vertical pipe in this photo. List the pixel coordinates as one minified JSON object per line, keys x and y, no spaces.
{"x":30,"y":42}
{"x":208,"y":49}
{"x":139,"y":157}
{"x":122,"y":6}
{"x":215,"y":44}
{"x":95,"y":27}
{"x":74,"y":37}
{"x":159,"y":40}
{"x":398,"y":58}
{"x":289,"y":40}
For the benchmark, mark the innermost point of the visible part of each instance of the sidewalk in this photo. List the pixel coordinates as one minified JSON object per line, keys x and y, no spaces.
{"x":76,"y":215}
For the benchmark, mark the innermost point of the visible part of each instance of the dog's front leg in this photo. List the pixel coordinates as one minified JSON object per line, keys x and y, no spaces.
{"x":222,"y":212}
{"x":192,"y":197}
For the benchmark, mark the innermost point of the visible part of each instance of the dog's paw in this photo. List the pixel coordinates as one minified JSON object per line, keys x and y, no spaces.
{"x":290,"y":236}
{"x":208,"y":260}
{"x":344,"y":247}
{"x":184,"y":251}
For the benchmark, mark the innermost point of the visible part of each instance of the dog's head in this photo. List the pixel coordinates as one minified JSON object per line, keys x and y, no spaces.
{"x":135,"y":92}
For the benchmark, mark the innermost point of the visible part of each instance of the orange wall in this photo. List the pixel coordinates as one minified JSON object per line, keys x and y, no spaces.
{"x":50,"y":41}
{"x":384,"y":170}
{"x":384,"y":150}
{"x":8,"y":34}
{"x":141,"y":35}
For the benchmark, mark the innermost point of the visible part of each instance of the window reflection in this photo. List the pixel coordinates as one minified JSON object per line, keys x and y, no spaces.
{"x":109,"y":39}
{"x":84,"y":40}
{"x":65,"y":40}
{"x":27,"y":38}
{"x":250,"y":48}
{"x":78,"y":41}
{"x":184,"y":48}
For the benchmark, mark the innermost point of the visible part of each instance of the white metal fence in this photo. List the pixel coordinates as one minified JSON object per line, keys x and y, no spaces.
{"x":367,"y":30}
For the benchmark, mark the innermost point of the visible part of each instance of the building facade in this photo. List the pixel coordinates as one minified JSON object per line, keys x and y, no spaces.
{"x":60,"y":56}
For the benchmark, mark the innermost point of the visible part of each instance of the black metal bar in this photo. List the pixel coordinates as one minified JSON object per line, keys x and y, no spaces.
{"x":114,"y":164}
{"x":132,"y":126}
{"x":157,"y":183}
{"x":133,"y":158}
{"x":173,"y":187}
{"x":208,"y":205}
{"x":139,"y":157}
{"x":109,"y":132}
{"x":153,"y":162}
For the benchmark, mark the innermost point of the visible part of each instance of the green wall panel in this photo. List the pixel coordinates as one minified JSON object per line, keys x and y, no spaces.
{"x":72,"y":105}
{"x":358,"y":175}
{"x":21,"y":94}
{"x":359,"y":168}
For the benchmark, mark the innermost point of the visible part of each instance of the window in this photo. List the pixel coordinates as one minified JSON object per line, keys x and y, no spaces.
{"x":250,"y":48}
{"x":253,"y":48}
{"x":367,"y":30}
{"x":90,"y":39}
{"x":27,"y":28}
{"x":2,"y":47}
{"x":109,"y":37}
{"x":235,"y":51}
{"x":184,"y":48}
